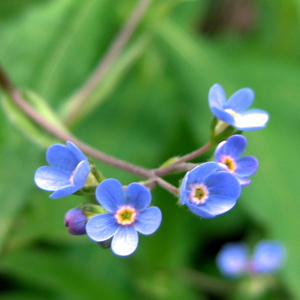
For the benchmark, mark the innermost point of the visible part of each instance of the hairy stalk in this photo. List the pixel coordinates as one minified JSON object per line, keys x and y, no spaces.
{"x":107,"y":61}
{"x":64,"y":135}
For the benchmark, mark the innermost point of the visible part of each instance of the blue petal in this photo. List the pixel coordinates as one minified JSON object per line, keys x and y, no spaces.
{"x":232,"y":259}
{"x":125,"y":241}
{"x":242,"y":180}
{"x":219,"y":152}
{"x":268,"y":257}
{"x":223,"y":115}
{"x":60,"y":156}
{"x":200,"y":173}
{"x":184,"y":190}
{"x":246,"y":166}
{"x":214,"y":206}
{"x":148,"y":220}
{"x":64,"y":191}
{"x":253,"y":119}
{"x":138,"y":196}
{"x":51,"y":178}
{"x":81,"y":173}
{"x":224,"y":184}
{"x":110,"y":194}
{"x":101,"y":227}
{"x":76,"y":152}
{"x":235,"y":146}
{"x":216,"y":96}
{"x":240,"y":100}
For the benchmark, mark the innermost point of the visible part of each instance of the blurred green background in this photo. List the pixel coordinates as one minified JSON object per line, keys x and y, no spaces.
{"x":151,"y":105}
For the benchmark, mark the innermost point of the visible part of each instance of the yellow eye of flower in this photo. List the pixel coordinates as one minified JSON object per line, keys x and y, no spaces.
{"x":232,"y":112}
{"x":198,"y":193}
{"x":229,"y":162}
{"x":126,"y":215}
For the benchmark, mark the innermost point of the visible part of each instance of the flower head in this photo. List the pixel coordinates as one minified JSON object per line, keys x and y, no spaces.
{"x":232,"y":260}
{"x":228,"y":155}
{"x":127,"y":214}
{"x":75,"y":220}
{"x":67,"y":173}
{"x":233,"y":111}
{"x":268,"y":257}
{"x":208,"y":193}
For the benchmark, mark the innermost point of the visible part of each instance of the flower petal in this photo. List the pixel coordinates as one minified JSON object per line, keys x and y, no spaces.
{"x":216,"y":96}
{"x":110,"y":194}
{"x":81,"y":173}
{"x":77,"y":153}
{"x":240,"y":100}
{"x":235,"y":146}
{"x":138,"y":196}
{"x":64,"y":191}
{"x":148,"y":220}
{"x":242,"y":180}
{"x":253,"y":119}
{"x":184,"y":190}
{"x":60,"y":156}
{"x":223,"y":184}
{"x":125,"y":241}
{"x":223,"y":115}
{"x":101,"y":227}
{"x":51,"y":178}
{"x":214,"y":206}
{"x":219,"y":151}
{"x":200,"y":173}
{"x":246,"y":166}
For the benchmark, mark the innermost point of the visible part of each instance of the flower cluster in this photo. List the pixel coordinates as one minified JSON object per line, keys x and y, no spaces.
{"x":121,"y":212}
{"x":234,"y":260}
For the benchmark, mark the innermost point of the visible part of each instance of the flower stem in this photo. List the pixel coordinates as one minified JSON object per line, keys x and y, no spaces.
{"x":177,"y":164}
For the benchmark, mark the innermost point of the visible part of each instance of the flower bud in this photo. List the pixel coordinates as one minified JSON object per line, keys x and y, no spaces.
{"x":75,"y":220}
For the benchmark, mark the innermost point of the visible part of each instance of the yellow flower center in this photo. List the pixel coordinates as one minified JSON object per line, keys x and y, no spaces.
{"x":229,"y":162}
{"x":198,"y":193}
{"x":126,"y":215}
{"x":232,"y":112}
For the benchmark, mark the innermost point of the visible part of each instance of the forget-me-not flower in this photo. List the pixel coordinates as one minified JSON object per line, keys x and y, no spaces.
{"x":228,"y":155}
{"x":233,"y":111}
{"x":232,"y":259}
{"x":268,"y":257}
{"x":127,"y":214}
{"x":67,"y":173}
{"x":208,"y":193}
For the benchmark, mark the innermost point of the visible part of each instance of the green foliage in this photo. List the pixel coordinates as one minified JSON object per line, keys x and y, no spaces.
{"x":151,"y":106}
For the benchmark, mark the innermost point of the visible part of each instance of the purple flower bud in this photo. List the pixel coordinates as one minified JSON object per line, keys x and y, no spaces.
{"x":75,"y":220}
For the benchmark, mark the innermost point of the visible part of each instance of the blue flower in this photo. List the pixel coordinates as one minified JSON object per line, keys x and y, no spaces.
{"x":208,"y":193}
{"x":228,"y":155}
{"x":67,"y":173}
{"x":75,"y":220}
{"x":127,"y":214}
{"x":268,"y":257}
{"x":233,"y":111}
{"x":232,"y":259}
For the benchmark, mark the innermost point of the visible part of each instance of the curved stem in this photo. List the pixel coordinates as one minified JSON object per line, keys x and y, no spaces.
{"x":176,"y":165}
{"x":106,"y":62}
{"x":64,"y":135}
